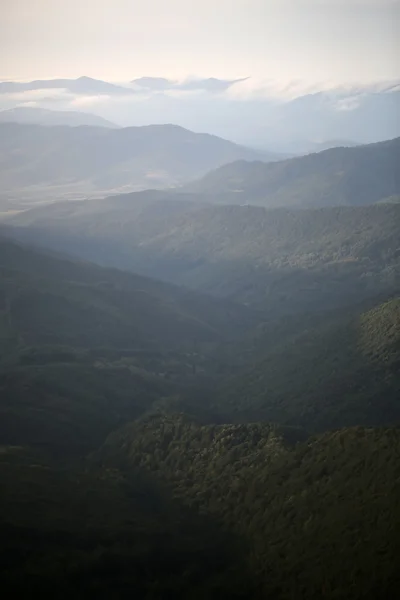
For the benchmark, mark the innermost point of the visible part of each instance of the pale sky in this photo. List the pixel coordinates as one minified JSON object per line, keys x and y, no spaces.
{"x":118,"y":40}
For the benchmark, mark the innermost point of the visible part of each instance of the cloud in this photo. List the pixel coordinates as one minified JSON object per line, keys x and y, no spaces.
{"x":348,"y":104}
{"x":29,"y":104}
{"x":37,"y":95}
{"x":261,"y":89}
{"x":90,"y":100}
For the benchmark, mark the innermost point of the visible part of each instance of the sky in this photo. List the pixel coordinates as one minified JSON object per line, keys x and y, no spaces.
{"x":341,"y":41}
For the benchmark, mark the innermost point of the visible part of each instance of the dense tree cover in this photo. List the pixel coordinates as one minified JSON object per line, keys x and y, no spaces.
{"x":319,"y":516}
{"x":338,"y":176}
{"x":282,"y":260}
{"x":108,"y":490}
{"x":105,"y":534}
{"x":45,"y":299}
{"x":85,"y":349}
{"x":335,"y":371}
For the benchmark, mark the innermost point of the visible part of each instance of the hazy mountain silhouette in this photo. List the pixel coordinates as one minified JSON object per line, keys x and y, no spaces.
{"x":98,"y":159}
{"x":82,"y":85}
{"x":43,"y":116}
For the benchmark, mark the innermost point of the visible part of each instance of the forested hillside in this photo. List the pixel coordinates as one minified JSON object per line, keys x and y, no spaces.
{"x":128,"y":459}
{"x":235,"y":438}
{"x":337,"y":371}
{"x":83,"y":349}
{"x":337,"y":176}
{"x":326,"y":501}
{"x":280,"y":260}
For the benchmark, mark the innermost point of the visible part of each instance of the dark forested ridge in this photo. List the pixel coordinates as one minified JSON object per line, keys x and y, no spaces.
{"x":327,"y":502}
{"x":341,"y":370}
{"x":338,"y":176}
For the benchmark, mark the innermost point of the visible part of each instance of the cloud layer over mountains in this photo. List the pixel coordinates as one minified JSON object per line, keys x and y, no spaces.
{"x":281,"y":116}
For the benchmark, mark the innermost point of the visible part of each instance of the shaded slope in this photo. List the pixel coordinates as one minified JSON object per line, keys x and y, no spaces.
{"x":338,"y":176}
{"x":101,"y":534}
{"x":98,"y":159}
{"x":84,"y":349}
{"x":330,"y":501}
{"x":340,"y":371}
{"x":284,"y":260}
{"x":49,"y":299}
{"x":43,"y":116}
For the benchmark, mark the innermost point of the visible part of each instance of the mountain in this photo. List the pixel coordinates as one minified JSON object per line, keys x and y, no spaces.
{"x":38,"y":161}
{"x":82,"y":85}
{"x":339,"y":176}
{"x":328,"y":144}
{"x":97,"y":533}
{"x":83,"y":349}
{"x":366,"y":114}
{"x":133,"y":311}
{"x":297,"y":505}
{"x":176,"y":509}
{"x":280,"y":260}
{"x":338,"y":370}
{"x":286,"y":118}
{"x":43,"y":116}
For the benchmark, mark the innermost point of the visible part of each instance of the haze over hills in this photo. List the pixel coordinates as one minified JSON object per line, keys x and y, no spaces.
{"x":338,"y":176}
{"x":43,"y":116}
{"x":291,"y":118}
{"x":281,"y":260}
{"x":328,"y":144}
{"x":39,"y":162}
{"x":63,"y":319}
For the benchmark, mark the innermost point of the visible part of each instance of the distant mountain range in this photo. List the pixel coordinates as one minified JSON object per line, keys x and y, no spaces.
{"x":88,"y":85}
{"x":82,"y":85}
{"x":288,"y":119}
{"x":38,"y":161}
{"x":43,"y":116}
{"x":339,"y":176}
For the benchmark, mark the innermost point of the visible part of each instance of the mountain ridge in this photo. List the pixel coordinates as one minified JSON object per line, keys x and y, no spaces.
{"x":341,"y":176}
{"x":43,"y":161}
{"x":44,"y":116}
